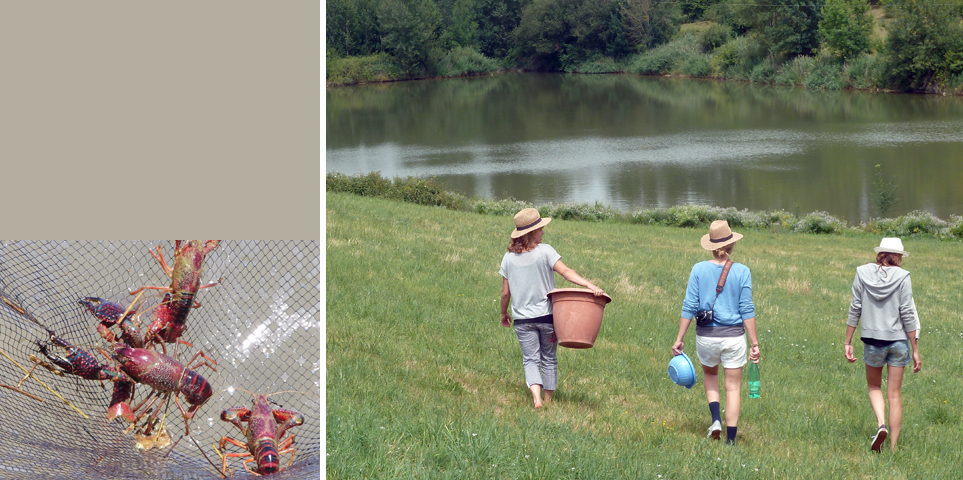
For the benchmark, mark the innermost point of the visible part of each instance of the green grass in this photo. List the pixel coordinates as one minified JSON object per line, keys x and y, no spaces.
{"x":423,"y":383}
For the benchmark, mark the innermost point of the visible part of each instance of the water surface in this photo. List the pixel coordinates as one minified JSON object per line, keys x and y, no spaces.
{"x":632,"y":142}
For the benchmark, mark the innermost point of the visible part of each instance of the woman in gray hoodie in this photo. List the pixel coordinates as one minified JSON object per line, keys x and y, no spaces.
{"x":883,"y":301}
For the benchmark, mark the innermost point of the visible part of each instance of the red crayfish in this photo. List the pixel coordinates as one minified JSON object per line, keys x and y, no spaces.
{"x":83,"y":364}
{"x":265,"y":431}
{"x":166,"y":377}
{"x":170,"y":317}
{"x":110,"y":314}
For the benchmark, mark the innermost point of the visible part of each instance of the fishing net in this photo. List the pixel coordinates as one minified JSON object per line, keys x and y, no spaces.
{"x":261,"y":324}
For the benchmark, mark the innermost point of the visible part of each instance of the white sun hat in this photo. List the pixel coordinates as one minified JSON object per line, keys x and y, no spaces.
{"x":891,"y":245}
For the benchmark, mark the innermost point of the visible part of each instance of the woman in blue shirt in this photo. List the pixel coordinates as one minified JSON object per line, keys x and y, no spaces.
{"x":722,"y":339}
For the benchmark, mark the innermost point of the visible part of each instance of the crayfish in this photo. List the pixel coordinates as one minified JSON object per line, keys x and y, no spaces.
{"x":170,"y":317}
{"x":265,"y":430}
{"x":83,"y":364}
{"x":166,"y":377}
{"x":110,"y":314}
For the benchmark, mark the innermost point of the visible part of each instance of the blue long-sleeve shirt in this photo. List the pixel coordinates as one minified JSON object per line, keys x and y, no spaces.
{"x":734,"y":303}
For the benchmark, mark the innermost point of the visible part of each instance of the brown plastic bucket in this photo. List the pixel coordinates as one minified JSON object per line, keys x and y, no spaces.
{"x":578,"y":316}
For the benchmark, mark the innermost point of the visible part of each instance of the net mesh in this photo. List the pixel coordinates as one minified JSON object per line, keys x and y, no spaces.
{"x":261,"y":324}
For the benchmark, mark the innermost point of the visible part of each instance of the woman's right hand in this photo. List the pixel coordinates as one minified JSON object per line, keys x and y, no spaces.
{"x":506,"y":320}
{"x":848,"y":351}
{"x":677,"y":347}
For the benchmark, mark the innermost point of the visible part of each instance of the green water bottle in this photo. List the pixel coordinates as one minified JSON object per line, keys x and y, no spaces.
{"x":753,"y":380}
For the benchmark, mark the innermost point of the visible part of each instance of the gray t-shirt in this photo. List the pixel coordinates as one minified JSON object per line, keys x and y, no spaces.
{"x":531,"y":276}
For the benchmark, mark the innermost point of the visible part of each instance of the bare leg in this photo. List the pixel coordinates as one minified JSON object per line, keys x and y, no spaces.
{"x":548,"y":396}
{"x":894,"y":386}
{"x":711,"y":383}
{"x":874,"y":379}
{"x":733,"y":399}
{"x":536,"y":395}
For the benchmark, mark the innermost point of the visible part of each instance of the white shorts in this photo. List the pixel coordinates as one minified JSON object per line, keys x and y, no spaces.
{"x":730,"y":351}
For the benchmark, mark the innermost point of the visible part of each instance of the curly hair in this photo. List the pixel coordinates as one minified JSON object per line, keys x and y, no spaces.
{"x":889,"y":259}
{"x":524,"y":243}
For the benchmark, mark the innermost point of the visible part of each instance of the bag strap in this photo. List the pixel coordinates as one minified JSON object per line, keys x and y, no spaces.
{"x":722,"y":282}
{"x":722,"y":278}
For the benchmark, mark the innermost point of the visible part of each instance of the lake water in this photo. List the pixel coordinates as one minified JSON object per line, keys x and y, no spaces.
{"x":635,"y":142}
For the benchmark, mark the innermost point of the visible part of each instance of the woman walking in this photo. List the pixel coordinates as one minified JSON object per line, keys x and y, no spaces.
{"x":723,"y":319}
{"x":528,"y":274}
{"x":883,"y":303}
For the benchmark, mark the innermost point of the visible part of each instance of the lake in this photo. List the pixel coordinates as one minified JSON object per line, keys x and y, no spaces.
{"x":634,"y":142}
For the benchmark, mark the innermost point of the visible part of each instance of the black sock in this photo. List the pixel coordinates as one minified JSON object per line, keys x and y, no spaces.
{"x":731,"y":434}
{"x":714,"y":410}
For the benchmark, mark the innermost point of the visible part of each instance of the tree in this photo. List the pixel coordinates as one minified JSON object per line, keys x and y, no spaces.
{"x":410,"y":33}
{"x":463,"y":29}
{"x":925,"y":44}
{"x":351,"y":27}
{"x":845,"y":27}
{"x":649,"y":23}
{"x":789,"y":27}
{"x":497,"y":21}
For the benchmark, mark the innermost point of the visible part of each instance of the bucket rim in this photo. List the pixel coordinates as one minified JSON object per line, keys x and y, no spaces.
{"x":579,"y":290}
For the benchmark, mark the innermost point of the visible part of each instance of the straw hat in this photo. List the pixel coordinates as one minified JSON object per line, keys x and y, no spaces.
{"x":719,"y":236}
{"x":891,"y":245}
{"x":527,"y":220}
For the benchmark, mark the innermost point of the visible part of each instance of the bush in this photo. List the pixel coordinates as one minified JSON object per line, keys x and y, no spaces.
{"x":465,"y":61}
{"x":410,"y":189}
{"x":737,"y":57}
{"x":916,"y":223}
{"x":354,"y":70}
{"x":666,"y":58}
{"x":865,"y":72}
{"x":715,"y":36}
{"x":579,"y":211}
{"x":794,"y":72}
{"x":819,"y":222}
{"x":599,"y":65}
{"x":703,"y":215}
{"x":954,"y":228}
{"x":762,"y":73}
{"x":698,"y":65}
{"x":824,"y":75}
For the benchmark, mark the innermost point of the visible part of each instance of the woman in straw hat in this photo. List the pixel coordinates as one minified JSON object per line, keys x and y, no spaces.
{"x":883,"y":302}
{"x":527,"y":271}
{"x":720,"y":337}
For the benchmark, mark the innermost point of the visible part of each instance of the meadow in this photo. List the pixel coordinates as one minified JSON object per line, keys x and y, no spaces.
{"x":423,"y":383}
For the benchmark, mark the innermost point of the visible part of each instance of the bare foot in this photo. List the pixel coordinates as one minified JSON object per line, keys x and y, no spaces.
{"x":538,"y":405}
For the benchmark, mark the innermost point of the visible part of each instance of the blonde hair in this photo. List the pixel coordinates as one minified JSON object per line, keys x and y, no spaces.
{"x":724,"y":251}
{"x":524,"y":243}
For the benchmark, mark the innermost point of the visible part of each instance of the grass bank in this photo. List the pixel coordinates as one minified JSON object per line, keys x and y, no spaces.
{"x":423,"y":383}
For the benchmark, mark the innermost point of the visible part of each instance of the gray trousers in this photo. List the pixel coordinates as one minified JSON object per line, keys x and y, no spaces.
{"x":539,"y":357}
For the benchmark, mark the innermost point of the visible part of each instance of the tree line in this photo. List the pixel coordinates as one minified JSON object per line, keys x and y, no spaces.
{"x":916,"y":45}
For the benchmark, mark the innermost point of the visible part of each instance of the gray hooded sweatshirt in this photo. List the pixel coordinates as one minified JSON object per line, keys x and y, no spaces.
{"x":883,"y":300}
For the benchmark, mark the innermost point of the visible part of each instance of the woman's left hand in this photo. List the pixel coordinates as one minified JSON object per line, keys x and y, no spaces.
{"x":506,"y":320}
{"x":754,"y":353}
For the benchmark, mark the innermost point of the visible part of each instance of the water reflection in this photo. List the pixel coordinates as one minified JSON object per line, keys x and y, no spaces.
{"x":633,"y":142}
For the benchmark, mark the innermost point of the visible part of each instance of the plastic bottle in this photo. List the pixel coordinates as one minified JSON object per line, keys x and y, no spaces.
{"x":753,"y":380}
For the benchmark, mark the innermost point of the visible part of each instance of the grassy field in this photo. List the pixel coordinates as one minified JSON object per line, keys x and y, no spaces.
{"x":422,"y":382}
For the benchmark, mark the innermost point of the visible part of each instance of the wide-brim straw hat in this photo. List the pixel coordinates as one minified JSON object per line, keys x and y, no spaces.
{"x":719,"y":236}
{"x":527,"y":220}
{"x":891,"y":245}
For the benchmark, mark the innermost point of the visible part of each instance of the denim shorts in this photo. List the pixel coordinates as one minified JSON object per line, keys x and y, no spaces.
{"x":895,"y":355}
